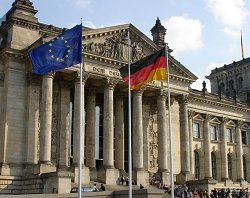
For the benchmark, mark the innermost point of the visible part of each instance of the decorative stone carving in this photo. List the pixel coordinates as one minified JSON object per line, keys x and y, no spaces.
{"x":110,"y":83}
{"x":85,"y":77}
{"x":115,"y":47}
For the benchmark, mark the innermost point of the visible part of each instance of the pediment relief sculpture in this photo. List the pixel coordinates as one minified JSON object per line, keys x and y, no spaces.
{"x":115,"y":47}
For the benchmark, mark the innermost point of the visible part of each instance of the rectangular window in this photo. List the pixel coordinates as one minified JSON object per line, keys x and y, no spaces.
{"x":213,"y":132}
{"x":196,"y":130}
{"x":229,"y":135}
{"x":244,"y":137}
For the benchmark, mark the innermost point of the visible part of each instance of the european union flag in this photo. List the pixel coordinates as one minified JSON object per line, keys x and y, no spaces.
{"x":63,"y":51}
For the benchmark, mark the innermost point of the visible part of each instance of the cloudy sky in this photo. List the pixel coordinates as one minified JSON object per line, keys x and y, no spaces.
{"x":204,"y":34}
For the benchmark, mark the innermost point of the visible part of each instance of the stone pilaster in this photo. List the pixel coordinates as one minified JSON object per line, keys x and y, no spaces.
{"x":63,"y":125}
{"x":85,"y":170}
{"x":139,"y":175}
{"x":33,"y":119}
{"x":163,"y":163}
{"x":191,"y":114}
{"x":207,"y":147}
{"x":184,"y":141}
{"x":239,"y":152}
{"x":119,"y":132}
{"x":90,"y":133}
{"x":224,"y":161}
{"x":108,"y":174}
{"x":46,"y":119}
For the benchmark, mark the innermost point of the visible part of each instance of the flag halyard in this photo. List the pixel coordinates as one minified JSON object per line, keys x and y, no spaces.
{"x":63,"y":51}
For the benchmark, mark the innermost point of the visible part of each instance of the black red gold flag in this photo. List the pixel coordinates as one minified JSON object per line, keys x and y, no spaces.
{"x":152,"y":67}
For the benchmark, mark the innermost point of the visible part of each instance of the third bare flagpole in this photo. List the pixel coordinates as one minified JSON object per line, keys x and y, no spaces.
{"x":170,"y":126}
{"x":129,"y":123}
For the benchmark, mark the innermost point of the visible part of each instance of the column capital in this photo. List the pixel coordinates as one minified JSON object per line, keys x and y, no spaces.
{"x":77,"y":76}
{"x":182,"y":99}
{"x":239,"y":123}
{"x":162,"y":94}
{"x":191,"y":114}
{"x":208,"y":117}
{"x":139,"y":92}
{"x":224,"y":120}
{"x":110,"y":83}
{"x":50,"y":75}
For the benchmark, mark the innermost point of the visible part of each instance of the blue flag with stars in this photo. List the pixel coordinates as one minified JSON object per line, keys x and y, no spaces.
{"x":63,"y":51}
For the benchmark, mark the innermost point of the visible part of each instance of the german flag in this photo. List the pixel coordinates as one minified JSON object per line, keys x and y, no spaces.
{"x":152,"y":67}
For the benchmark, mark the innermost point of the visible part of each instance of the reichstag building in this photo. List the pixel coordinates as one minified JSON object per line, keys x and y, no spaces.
{"x":40,"y":114}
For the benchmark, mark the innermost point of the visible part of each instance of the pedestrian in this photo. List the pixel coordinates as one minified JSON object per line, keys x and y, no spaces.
{"x":122,"y":180}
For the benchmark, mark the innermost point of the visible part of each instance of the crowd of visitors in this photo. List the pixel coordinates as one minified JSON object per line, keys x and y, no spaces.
{"x":183,"y":191}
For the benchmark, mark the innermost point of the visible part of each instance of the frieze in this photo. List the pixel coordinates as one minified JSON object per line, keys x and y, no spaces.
{"x":102,"y":71}
{"x":115,"y":47}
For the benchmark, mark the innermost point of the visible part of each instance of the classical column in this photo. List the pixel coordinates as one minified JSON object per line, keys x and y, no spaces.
{"x":90,"y":130}
{"x":63,"y":125}
{"x":33,"y":118}
{"x":163,"y":150}
{"x":108,"y":125}
{"x":184,"y":134}
{"x":239,"y":152}
{"x":190,"y":127}
{"x":77,"y":118}
{"x":119,"y":132}
{"x":76,"y":127}
{"x":46,"y":119}
{"x":137,"y":131}
{"x":207,"y":149}
{"x":224,"y":161}
{"x":108,"y":174}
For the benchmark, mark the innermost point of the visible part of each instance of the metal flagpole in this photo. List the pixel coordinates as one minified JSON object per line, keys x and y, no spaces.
{"x":129,"y":123}
{"x":170,"y":126}
{"x":80,"y":137}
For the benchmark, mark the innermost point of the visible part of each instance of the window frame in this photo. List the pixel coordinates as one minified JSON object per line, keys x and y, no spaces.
{"x":229,"y":135}
{"x":215,"y":132}
{"x":196,"y":132}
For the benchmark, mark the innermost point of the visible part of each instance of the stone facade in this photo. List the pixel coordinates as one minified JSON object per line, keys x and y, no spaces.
{"x":40,"y":116}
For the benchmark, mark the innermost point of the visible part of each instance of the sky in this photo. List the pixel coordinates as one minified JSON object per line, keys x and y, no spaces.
{"x":203,"y":34}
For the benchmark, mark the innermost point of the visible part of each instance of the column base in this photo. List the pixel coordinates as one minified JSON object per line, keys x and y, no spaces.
{"x":57,"y":182}
{"x":227,"y":181}
{"x":109,"y":176}
{"x":93,"y":174}
{"x":163,"y":176}
{"x":11,"y":169}
{"x":85,"y":175}
{"x":182,"y":178}
{"x":242,"y":182}
{"x":141,"y":177}
{"x":44,"y":168}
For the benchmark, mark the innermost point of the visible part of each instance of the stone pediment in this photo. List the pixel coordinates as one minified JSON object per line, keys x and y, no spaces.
{"x":110,"y":45}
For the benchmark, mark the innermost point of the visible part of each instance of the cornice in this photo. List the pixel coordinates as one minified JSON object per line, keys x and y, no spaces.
{"x":214,"y":102}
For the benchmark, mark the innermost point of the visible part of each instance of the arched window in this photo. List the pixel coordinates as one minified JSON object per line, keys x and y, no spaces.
{"x":197,"y":165}
{"x":230,"y":169}
{"x":245,"y":167}
{"x":213,"y":157}
{"x":240,"y":82}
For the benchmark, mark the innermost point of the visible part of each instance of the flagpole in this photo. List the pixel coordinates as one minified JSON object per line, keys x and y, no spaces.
{"x":129,"y":123}
{"x":170,"y":126}
{"x":242,"y":47}
{"x":80,"y":137}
